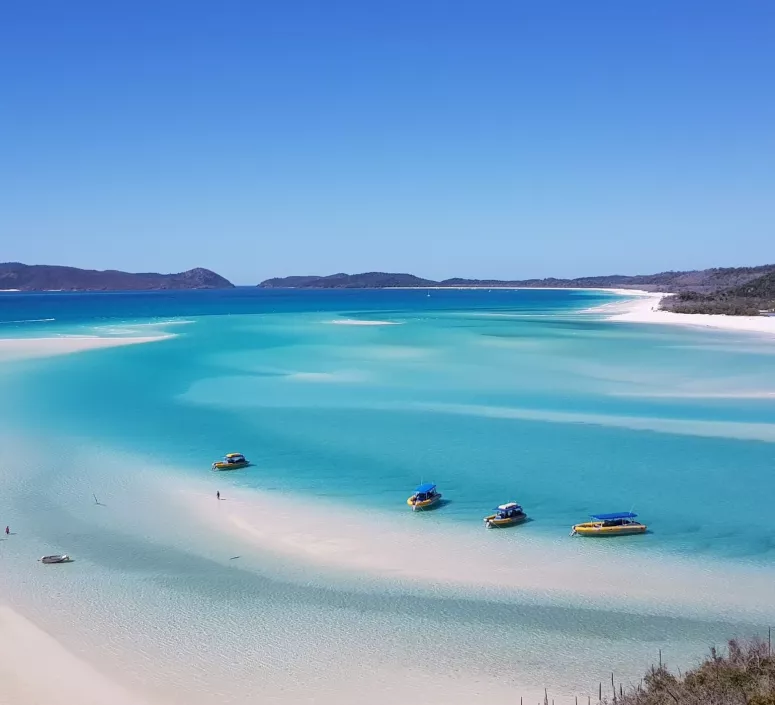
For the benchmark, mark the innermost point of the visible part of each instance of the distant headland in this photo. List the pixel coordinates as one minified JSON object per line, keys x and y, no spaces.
{"x":701,"y":280}
{"x":729,"y":290}
{"x":43,"y":277}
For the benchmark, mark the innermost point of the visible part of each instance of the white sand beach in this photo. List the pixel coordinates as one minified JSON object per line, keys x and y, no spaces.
{"x":25,"y":348}
{"x":643,"y":307}
{"x":35,"y":669}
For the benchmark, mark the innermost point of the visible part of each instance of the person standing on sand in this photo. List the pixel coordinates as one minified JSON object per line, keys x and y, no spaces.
{"x":218,"y":494}
{"x":7,"y":530}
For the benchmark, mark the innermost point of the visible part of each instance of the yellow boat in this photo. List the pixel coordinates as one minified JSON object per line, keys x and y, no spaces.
{"x":509,"y":514}
{"x":424,"y":497}
{"x":617,"y":524}
{"x":232,"y":461}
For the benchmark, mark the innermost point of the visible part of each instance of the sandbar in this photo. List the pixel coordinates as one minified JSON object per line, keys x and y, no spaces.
{"x":389,"y":546}
{"x":27,"y":348}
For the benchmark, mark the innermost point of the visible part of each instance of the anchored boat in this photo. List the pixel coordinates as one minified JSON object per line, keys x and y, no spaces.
{"x":232,"y":461}
{"x":424,"y":496}
{"x":508,"y":514}
{"x":616,"y":524}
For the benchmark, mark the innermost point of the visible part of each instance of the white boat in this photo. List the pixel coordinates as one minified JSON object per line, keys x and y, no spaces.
{"x":63,"y":558}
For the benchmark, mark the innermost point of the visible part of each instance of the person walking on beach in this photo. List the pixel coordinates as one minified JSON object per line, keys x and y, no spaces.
{"x":218,"y":494}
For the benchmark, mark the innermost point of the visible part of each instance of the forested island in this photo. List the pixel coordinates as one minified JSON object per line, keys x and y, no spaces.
{"x":43,"y":277}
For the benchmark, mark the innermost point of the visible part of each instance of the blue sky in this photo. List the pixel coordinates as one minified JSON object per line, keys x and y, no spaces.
{"x":472,"y":138}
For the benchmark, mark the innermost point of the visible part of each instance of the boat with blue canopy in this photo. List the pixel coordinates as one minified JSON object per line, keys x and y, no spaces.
{"x":508,"y":514}
{"x":614,"y":524}
{"x":232,"y":461}
{"x":425,"y":496}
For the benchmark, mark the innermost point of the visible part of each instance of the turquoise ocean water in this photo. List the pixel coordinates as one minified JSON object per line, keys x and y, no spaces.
{"x":355,"y":397}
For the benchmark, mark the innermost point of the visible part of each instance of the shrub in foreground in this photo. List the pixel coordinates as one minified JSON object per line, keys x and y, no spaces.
{"x":745,"y":675}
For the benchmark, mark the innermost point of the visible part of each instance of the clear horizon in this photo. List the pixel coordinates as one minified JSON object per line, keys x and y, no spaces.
{"x":481,"y":140}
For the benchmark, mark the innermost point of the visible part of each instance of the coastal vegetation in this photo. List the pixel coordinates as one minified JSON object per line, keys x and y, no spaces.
{"x":752,"y":298}
{"x":744,"y":675}
{"x":43,"y":277}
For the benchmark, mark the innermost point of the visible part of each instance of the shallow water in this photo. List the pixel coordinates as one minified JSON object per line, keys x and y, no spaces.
{"x":355,"y":397}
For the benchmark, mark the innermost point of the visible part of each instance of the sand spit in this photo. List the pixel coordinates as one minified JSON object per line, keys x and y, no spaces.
{"x":27,"y":348}
{"x":395,"y":547}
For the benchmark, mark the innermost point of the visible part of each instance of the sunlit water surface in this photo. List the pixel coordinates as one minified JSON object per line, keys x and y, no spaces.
{"x":353,"y":398}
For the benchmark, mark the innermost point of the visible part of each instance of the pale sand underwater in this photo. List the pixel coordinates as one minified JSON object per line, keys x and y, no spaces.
{"x":476,"y":629}
{"x":413,"y":548}
{"x":362,"y":322}
{"x":36,"y":670}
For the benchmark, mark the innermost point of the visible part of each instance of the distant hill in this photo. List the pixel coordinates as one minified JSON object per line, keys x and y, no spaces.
{"x":701,"y":281}
{"x":367,"y":280}
{"x":762,"y":287}
{"x":43,"y":277}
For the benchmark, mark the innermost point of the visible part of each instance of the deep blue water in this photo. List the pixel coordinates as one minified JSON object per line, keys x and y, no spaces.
{"x":87,"y":307}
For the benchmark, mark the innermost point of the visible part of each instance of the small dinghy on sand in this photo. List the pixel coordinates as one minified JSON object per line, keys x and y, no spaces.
{"x":63,"y":558}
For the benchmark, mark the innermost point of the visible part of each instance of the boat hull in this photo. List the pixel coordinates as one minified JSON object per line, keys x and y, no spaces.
{"x":230,"y":466}
{"x":425,"y":504}
{"x":48,"y":560}
{"x":492,"y":522}
{"x":597,"y":530}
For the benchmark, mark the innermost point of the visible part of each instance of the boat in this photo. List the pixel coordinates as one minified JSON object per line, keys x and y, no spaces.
{"x":509,"y":514}
{"x":616,"y":524}
{"x":63,"y":558}
{"x":424,"y":496}
{"x":232,"y":461}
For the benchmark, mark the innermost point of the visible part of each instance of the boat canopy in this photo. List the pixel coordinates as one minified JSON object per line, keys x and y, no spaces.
{"x":507,"y":506}
{"x":425,"y":488}
{"x":234,"y":455}
{"x":615,"y":515}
